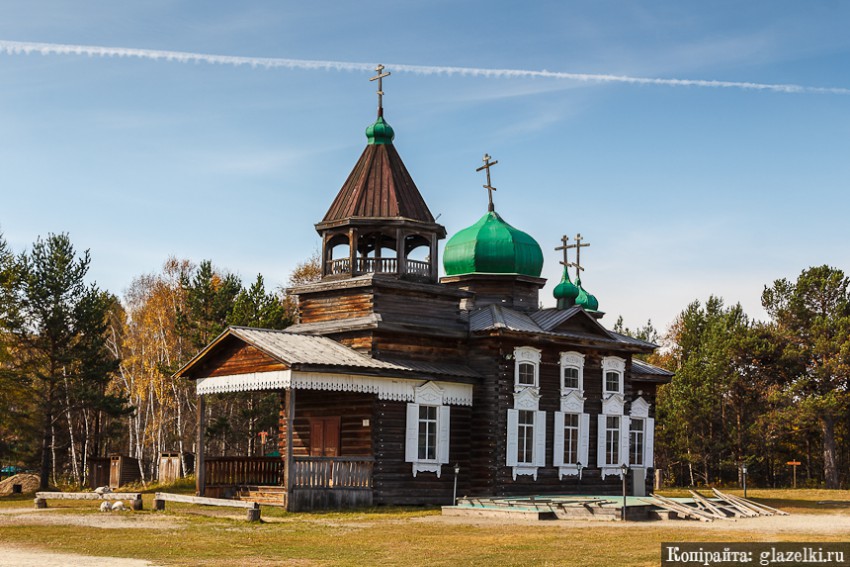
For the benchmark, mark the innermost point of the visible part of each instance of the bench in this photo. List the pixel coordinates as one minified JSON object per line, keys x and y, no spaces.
{"x":253,"y":509}
{"x":135,"y":498}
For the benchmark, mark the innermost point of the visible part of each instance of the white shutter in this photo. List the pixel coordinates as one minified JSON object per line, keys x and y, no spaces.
{"x":583,"y":438}
{"x":443,"y":420}
{"x":411,"y":444}
{"x":600,"y":441}
{"x":513,"y":426}
{"x":540,"y":438}
{"x":649,"y":443}
{"x":558,"y":448}
{"x":624,"y":439}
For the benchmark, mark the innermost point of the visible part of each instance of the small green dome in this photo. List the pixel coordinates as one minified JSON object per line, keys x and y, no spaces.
{"x":586,"y":300}
{"x":492,"y":246}
{"x":566,"y":292}
{"x":380,"y":132}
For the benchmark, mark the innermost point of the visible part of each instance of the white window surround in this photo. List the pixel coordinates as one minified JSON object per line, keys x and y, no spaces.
{"x":640,"y":410}
{"x":613,"y":405}
{"x":429,"y":394}
{"x":575,"y":360}
{"x":613,"y":364}
{"x":526,"y":400}
{"x":527,"y":355}
{"x":571,"y":469}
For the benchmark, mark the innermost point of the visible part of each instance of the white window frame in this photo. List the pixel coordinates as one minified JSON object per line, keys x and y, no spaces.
{"x":612,"y":406}
{"x":526,"y":355}
{"x":575,"y":360}
{"x":640,"y":410}
{"x":617,"y":365}
{"x":526,"y":400}
{"x":429,"y":395}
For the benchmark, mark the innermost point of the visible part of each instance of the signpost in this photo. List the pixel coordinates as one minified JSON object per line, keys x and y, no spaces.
{"x":794,"y":465}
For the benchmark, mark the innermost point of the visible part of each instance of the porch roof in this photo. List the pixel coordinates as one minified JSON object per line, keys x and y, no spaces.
{"x":315,"y":353}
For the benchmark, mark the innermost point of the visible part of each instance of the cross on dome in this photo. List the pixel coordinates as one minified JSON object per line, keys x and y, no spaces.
{"x":379,"y":77}
{"x":578,"y":246}
{"x":487,"y":165}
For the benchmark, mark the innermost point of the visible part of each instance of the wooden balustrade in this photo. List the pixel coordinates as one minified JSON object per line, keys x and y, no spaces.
{"x":240,"y":471}
{"x":377,"y":265}
{"x":333,"y":472}
{"x":418,"y":268}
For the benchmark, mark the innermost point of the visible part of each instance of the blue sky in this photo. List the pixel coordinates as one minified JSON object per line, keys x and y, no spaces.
{"x":682,"y":191}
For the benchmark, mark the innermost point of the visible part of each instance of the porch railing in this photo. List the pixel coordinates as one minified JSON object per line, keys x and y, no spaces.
{"x":261,"y":471}
{"x":333,"y":472}
{"x":377,"y":265}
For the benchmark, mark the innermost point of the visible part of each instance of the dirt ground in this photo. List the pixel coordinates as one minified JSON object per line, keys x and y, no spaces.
{"x":18,"y":556}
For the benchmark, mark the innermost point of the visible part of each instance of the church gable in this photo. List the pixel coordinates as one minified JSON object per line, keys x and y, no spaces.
{"x":571,"y":321}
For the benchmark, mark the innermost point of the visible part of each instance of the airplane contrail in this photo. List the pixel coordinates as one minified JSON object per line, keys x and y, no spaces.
{"x":25,"y":47}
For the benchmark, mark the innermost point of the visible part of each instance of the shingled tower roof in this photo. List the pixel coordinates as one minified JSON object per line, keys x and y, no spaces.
{"x":379,"y":186}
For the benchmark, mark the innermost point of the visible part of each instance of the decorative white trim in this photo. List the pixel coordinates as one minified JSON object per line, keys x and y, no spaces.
{"x":573,"y":402}
{"x":572,"y":359}
{"x":640,"y":408}
{"x":613,"y":364}
{"x":611,"y":471}
{"x":613,"y":405}
{"x":526,"y":470}
{"x":423,"y":466}
{"x":529,"y":355}
{"x":394,"y":389}
{"x":428,"y":394}
{"x":527,"y":399}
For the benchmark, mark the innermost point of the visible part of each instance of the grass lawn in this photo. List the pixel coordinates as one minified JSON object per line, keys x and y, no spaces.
{"x":192,"y":535}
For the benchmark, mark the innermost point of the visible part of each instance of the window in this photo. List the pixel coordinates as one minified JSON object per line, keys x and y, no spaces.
{"x":525,"y":437}
{"x":613,"y":369}
{"x":525,"y":374}
{"x":572,"y":372}
{"x":427,"y":433}
{"x":612,"y":381}
{"x":427,"y":430}
{"x":636,"y":442}
{"x":571,"y":429}
{"x":612,"y":439}
{"x":526,"y":368}
{"x":571,"y":378}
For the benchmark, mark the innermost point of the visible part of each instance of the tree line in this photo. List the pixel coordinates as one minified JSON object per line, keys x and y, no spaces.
{"x":84,"y":373}
{"x":755,"y":393}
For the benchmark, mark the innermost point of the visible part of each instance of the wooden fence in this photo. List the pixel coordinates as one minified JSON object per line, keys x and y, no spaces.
{"x":242,"y":471}
{"x":333,"y":472}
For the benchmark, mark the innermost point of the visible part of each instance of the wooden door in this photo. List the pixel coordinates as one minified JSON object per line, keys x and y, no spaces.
{"x":115,"y":473}
{"x":324,"y":437}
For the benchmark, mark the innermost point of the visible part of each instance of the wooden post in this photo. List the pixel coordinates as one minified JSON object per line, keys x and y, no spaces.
{"x":400,"y":252}
{"x":40,"y":503}
{"x":200,"y":473}
{"x":433,"y":257}
{"x":352,"y":251}
{"x":159,"y":505}
{"x":137,"y":503}
{"x":290,"y":459}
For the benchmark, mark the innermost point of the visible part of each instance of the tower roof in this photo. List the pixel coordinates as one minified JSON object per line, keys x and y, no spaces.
{"x":379,"y":186}
{"x":492,"y":246}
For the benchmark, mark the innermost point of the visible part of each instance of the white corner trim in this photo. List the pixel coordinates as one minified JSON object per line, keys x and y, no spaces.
{"x":395,"y":389}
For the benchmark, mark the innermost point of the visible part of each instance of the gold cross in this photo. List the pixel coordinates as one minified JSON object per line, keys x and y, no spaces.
{"x":578,"y":246}
{"x":487,"y":165}
{"x":379,"y":77}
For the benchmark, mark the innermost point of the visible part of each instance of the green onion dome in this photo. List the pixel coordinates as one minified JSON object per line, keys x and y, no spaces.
{"x":586,"y":300}
{"x":380,"y":132}
{"x":566,"y":292}
{"x":492,"y":246}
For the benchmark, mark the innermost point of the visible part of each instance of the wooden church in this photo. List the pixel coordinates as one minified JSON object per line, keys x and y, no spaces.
{"x":396,"y":383}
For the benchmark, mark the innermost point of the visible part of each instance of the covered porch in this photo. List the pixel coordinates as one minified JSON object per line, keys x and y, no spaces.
{"x":342,"y":420}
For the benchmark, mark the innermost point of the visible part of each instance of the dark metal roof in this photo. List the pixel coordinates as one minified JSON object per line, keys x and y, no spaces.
{"x":641,"y":368}
{"x":545,"y":322}
{"x":379,"y":186}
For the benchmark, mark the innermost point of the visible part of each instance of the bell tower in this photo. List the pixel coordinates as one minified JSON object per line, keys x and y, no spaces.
{"x":379,"y":223}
